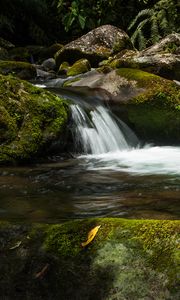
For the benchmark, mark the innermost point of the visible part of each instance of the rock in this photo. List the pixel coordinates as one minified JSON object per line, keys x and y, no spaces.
{"x":169,"y":44}
{"x":128,"y":259}
{"x":49,"y":64}
{"x":32,"y":121}
{"x":162,"y":58}
{"x":43,"y":75}
{"x":20,"y":54}
{"x":96,"y":45}
{"x":80,"y":66}
{"x":63,"y":68}
{"x":149,"y":104}
{"x":23,"y":70}
{"x":40,"y":53}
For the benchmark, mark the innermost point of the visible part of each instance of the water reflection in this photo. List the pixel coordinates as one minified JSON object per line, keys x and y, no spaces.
{"x":61,"y":190}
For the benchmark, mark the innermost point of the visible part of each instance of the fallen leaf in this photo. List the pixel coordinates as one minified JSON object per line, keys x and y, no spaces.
{"x":43,"y":272}
{"x":91,"y":235}
{"x":16,"y":245}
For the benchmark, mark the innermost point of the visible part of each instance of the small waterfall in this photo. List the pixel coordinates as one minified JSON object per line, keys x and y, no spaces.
{"x":97,"y":132}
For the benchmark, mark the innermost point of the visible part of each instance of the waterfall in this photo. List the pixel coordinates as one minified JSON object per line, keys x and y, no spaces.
{"x":97,"y":131}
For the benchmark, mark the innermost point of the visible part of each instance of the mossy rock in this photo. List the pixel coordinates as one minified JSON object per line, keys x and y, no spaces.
{"x":154,"y":113}
{"x":96,"y":45}
{"x":63,"y":68}
{"x":20,"y":54}
{"x":23,"y":70}
{"x":79,"y":67}
{"x":128,"y":259}
{"x":32,"y":121}
{"x":162,"y":58}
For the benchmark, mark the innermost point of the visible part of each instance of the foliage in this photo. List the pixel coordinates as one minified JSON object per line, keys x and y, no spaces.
{"x":24,"y":20}
{"x":151,"y":24}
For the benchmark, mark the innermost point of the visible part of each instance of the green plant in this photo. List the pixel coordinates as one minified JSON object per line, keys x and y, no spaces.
{"x":151,"y":24}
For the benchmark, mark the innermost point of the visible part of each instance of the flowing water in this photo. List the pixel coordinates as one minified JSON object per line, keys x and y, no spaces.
{"x":110,"y":175}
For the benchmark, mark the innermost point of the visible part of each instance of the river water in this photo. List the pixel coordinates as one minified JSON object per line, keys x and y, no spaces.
{"x":110,"y":176}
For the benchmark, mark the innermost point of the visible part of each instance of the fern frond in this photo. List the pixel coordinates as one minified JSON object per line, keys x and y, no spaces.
{"x":143,"y":13}
{"x":155,"y":35}
{"x":141,"y":40}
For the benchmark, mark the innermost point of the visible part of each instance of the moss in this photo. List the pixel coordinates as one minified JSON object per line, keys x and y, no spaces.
{"x":79,"y":67}
{"x":122,"y":44}
{"x":70,"y":81}
{"x":32,"y":119}
{"x":154,"y":111}
{"x":128,"y":259}
{"x":23,"y":70}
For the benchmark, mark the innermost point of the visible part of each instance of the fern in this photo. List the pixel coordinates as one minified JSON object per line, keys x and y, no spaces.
{"x":161,"y":18}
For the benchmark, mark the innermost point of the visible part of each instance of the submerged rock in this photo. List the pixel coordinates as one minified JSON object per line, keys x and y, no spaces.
{"x":32,"y":121}
{"x":95,"y":46}
{"x":128,"y":259}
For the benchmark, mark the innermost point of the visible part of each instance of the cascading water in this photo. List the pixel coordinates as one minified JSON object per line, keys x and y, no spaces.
{"x":109,"y":144}
{"x":97,"y":132}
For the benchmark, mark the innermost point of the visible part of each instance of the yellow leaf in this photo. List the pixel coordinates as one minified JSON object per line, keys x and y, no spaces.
{"x":91,"y":235}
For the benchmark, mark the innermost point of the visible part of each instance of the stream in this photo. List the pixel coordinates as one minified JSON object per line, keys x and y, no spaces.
{"x":109,"y":175}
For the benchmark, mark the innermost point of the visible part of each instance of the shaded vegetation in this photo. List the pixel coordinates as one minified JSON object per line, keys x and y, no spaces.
{"x":45,"y":21}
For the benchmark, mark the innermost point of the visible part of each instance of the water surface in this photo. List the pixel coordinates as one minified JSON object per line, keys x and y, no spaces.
{"x":137,"y":183}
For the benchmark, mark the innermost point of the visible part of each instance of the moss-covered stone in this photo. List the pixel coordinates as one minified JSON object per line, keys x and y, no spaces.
{"x":96,"y":45}
{"x":20,"y":54}
{"x":63,"y":68}
{"x":128,"y":259}
{"x":79,"y":67}
{"x":31,"y":120}
{"x":154,"y":112}
{"x":23,"y":70}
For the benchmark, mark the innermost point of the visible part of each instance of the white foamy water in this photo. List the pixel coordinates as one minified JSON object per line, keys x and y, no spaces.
{"x":98,"y":132}
{"x":147,"y":160}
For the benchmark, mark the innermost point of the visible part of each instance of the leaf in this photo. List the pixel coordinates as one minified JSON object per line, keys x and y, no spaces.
{"x":91,"y":235}
{"x":43,"y":272}
{"x":16,"y":245}
{"x":82,"y":21}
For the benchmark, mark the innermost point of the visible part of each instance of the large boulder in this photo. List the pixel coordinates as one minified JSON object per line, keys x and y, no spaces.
{"x":162,"y":58}
{"x":32,"y":121}
{"x":128,"y":259}
{"x":23,"y":70}
{"x":95,"y":46}
{"x":148,"y":103}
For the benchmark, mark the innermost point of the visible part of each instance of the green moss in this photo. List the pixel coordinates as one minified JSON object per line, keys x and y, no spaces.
{"x":128,"y":259}
{"x":122,"y":44}
{"x":70,"y":81}
{"x":154,"y":111}
{"x":32,"y":119}
{"x":79,"y":67}
{"x":23,"y":70}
